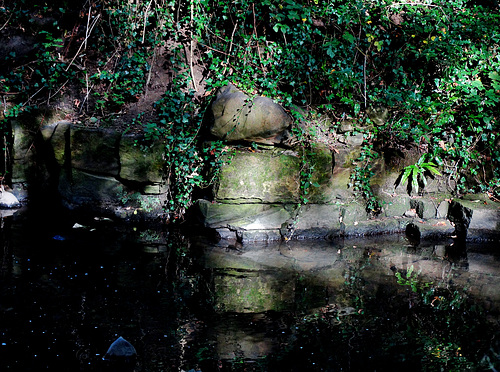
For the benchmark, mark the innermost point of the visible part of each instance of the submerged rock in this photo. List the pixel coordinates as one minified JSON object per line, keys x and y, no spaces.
{"x":121,"y":350}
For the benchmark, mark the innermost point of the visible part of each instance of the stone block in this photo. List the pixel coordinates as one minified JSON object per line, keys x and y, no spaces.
{"x":260,"y":177}
{"x":442,"y":210}
{"x":264,"y":235}
{"x":243,"y":216}
{"x":394,"y":205}
{"x":483,"y":219}
{"x":141,"y":165}
{"x":323,"y":217}
{"x":80,"y":188}
{"x":373,"y":227}
{"x":22,"y":142}
{"x":434,"y":229}
{"x":57,"y":140}
{"x":155,"y":189}
{"x":95,"y":151}
{"x":270,"y":177}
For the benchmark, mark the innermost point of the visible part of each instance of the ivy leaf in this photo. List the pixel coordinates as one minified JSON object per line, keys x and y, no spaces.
{"x":349,"y":37}
{"x":494,"y":76}
{"x":478,"y":84}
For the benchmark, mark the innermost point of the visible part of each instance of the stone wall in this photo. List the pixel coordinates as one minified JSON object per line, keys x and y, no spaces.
{"x":89,"y":169}
{"x":257,"y":195}
{"x":258,"y":198}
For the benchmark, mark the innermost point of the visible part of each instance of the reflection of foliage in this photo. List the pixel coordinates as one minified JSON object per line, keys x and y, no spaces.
{"x":442,"y":345}
{"x":411,"y":279}
{"x":424,"y":328}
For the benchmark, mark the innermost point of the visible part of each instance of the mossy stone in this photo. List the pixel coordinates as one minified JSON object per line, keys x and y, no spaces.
{"x":260,"y":177}
{"x":95,"y":150}
{"x":139,"y":165}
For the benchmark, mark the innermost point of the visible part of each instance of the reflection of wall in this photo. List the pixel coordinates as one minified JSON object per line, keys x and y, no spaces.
{"x":255,"y":280}
{"x":242,"y":338}
{"x":253,"y":291}
{"x":338,"y":282}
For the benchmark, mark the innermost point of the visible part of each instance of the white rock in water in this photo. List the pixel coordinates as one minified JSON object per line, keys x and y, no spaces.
{"x":8,"y":200}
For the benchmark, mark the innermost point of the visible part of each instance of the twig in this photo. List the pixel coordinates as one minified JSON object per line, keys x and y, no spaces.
{"x":145,"y":20}
{"x":191,"y":46}
{"x":29,"y":99}
{"x":230,"y":47}
{"x":215,"y":50}
{"x":87,"y":29}
{"x":57,"y":91}
{"x":148,"y":79}
{"x":88,"y":91}
{"x":87,"y":35}
{"x":6,"y":23}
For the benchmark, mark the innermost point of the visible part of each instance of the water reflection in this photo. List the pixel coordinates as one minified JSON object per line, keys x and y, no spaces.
{"x":349,"y":305}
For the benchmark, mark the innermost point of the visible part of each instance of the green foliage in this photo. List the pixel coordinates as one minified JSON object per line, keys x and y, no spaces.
{"x":434,"y":65}
{"x":307,"y":154}
{"x":139,"y":201}
{"x":416,"y":174}
{"x":362,"y":174}
{"x":131,"y":36}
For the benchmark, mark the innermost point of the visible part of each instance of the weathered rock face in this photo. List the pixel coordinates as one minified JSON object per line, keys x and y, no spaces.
{"x":273,"y":176}
{"x":240,"y":117}
{"x":95,"y":169}
{"x":138,"y":165}
{"x":259,"y":197}
{"x":475,"y":218}
{"x":262,"y":194}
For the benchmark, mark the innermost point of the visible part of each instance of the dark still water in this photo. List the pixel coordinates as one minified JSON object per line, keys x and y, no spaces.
{"x":69,"y":288}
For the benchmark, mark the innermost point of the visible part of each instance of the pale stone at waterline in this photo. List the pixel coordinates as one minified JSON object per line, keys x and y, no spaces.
{"x":8,"y":200}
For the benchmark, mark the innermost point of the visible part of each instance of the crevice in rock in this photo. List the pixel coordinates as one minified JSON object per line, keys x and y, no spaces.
{"x":418,"y":206}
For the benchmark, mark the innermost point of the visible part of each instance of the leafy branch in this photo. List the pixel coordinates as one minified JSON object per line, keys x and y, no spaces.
{"x":416,"y":174}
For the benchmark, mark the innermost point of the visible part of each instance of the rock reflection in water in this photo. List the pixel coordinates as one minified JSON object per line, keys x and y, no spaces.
{"x":273,"y":307}
{"x":320,"y":283}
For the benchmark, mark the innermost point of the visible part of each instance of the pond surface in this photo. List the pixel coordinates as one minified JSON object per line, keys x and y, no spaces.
{"x":70,"y":287}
